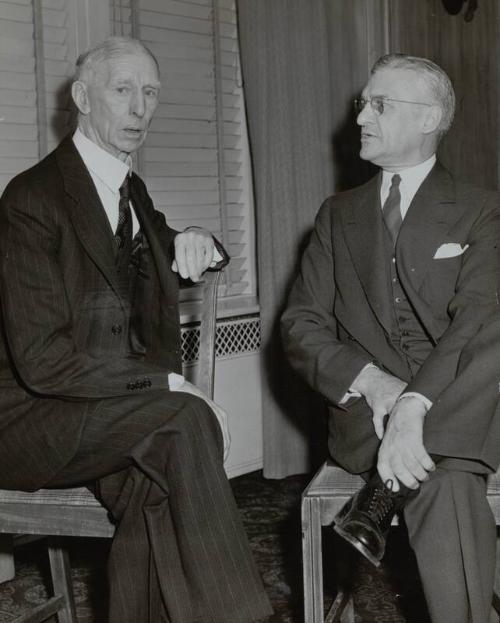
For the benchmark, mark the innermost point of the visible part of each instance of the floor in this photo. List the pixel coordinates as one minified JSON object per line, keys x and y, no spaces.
{"x":271,"y":515}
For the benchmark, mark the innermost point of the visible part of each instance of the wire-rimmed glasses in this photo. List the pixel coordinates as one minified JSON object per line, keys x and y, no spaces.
{"x":377,"y":103}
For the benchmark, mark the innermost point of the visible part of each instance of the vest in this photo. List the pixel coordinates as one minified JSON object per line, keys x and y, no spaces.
{"x":139,"y":286}
{"x":407,"y":334}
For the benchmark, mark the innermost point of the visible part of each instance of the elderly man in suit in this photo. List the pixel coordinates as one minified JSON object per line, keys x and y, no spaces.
{"x":387,"y":320}
{"x":90,"y":359}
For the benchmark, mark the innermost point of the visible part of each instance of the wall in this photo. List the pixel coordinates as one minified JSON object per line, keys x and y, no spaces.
{"x":469,"y":52}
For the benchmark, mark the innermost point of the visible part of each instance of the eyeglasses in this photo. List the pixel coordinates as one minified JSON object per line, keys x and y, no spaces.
{"x":377,"y":103}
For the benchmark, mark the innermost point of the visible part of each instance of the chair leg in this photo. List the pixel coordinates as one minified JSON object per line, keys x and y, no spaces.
{"x":342,"y":609}
{"x":312,"y":561}
{"x":7,"y":569}
{"x":60,"y":571}
{"x":348,"y":614}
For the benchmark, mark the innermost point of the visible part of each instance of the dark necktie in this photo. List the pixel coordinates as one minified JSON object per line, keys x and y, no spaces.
{"x":392,"y":209}
{"x":123,"y":234}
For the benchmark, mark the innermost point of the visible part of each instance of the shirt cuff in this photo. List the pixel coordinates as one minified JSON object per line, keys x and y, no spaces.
{"x":352,"y":393}
{"x":175,"y":381}
{"x":424,"y":399}
{"x":216,"y":259}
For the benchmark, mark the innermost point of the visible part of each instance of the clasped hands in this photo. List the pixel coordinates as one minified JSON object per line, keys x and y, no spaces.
{"x":194,"y":252}
{"x":402,"y":456}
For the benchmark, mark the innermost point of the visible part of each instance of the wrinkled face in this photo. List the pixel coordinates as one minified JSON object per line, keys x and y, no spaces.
{"x":395,"y":138}
{"x":121,"y":99}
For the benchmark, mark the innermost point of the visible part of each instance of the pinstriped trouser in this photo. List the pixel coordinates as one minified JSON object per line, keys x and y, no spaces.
{"x":179,"y":553}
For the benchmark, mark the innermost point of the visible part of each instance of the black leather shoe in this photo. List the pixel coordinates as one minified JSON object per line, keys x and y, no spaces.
{"x":365,"y":519}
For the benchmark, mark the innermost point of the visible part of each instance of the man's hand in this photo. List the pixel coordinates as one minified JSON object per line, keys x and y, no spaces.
{"x":402,"y":455}
{"x":220,"y":414}
{"x":194,"y":251}
{"x":380,"y":390}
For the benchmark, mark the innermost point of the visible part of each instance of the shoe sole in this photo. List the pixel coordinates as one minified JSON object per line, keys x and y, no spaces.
{"x":357,"y":544}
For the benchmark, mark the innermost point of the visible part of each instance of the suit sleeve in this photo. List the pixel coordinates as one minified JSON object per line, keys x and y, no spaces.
{"x":37,"y":318}
{"x":309,"y":328}
{"x":475,"y":302}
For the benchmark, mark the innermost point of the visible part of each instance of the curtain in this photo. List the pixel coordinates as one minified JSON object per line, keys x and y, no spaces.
{"x":303,"y":61}
{"x":284,"y":51}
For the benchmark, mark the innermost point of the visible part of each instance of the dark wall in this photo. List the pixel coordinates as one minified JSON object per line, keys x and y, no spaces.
{"x":469,"y":53}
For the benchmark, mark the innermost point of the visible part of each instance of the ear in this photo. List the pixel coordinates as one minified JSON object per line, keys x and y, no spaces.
{"x":80,"y":97}
{"x":432,"y":119}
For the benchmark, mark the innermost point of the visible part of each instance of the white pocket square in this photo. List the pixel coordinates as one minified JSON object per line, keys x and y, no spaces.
{"x":450,"y":249}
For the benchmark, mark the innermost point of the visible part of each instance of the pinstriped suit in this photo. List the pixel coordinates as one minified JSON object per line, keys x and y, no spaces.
{"x":78,"y":403}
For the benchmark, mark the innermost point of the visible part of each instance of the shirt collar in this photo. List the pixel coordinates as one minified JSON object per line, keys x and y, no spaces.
{"x":412,"y":177}
{"x":109,"y":169}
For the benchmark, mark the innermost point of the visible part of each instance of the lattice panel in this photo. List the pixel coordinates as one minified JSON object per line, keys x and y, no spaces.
{"x":234,"y":336}
{"x":190,"y":344}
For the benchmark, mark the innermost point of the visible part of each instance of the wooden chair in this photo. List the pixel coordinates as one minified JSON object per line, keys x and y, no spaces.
{"x":58,"y":513}
{"x":325,"y":495}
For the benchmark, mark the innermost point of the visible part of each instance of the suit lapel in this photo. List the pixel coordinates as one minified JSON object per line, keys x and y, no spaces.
{"x":87,"y":213}
{"x":364,"y":233}
{"x":430,"y":216}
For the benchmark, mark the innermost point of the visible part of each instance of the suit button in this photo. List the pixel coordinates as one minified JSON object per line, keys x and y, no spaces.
{"x":116,"y":329}
{"x":397,"y":299}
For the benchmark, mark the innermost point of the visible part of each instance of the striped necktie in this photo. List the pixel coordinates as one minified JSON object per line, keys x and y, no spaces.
{"x":391,"y":210}
{"x":123,"y":234}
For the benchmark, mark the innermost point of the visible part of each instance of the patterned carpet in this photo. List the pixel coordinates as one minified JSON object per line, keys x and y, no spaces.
{"x":271,"y":514}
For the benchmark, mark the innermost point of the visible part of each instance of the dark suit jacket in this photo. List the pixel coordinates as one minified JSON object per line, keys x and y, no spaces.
{"x":65,"y":321}
{"x":339,"y":312}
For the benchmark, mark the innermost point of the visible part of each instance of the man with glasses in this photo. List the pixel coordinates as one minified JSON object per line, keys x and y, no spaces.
{"x":384,"y":321}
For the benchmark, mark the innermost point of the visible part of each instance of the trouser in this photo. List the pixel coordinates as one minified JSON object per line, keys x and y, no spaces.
{"x":453,"y":534}
{"x":179,"y":553}
{"x":450,"y":524}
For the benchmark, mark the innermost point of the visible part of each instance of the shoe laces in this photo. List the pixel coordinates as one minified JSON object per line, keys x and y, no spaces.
{"x":381,"y":503}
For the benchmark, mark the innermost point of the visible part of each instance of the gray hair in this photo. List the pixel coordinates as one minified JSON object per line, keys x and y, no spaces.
{"x":109,"y":48}
{"x":435,"y":78}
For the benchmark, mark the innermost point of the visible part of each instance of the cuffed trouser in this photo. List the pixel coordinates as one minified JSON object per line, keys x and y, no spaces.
{"x":453,"y":534}
{"x":179,"y":554}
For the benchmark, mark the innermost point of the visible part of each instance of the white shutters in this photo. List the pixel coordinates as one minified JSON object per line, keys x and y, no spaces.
{"x":35,"y":63}
{"x":58,"y":66}
{"x":195,"y":158}
{"x":18,"y":108}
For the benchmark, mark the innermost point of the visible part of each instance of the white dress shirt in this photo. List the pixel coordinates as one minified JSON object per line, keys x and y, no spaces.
{"x":108,"y":174}
{"x":411,"y":180}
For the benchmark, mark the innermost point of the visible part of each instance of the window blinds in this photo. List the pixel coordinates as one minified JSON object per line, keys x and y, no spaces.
{"x":195,"y":157}
{"x":36,"y":62}
{"x":18,"y":106}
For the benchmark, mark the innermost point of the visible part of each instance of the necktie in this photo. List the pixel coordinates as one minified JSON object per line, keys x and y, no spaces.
{"x":391,"y":210}
{"x":123,"y":234}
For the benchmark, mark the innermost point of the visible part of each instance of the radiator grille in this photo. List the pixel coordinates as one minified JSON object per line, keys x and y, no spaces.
{"x":234,"y":336}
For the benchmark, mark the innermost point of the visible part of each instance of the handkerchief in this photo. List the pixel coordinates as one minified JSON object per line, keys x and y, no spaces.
{"x":450,"y":249}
